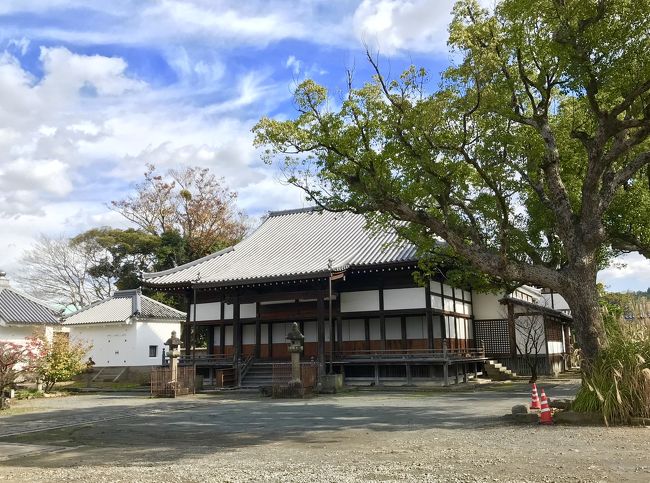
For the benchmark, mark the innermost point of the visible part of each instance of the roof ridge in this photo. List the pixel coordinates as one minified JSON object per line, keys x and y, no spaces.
{"x":164,"y":305}
{"x":148,"y":275}
{"x":294,"y":211}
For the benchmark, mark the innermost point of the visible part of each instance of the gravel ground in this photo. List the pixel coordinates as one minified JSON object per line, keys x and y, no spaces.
{"x":357,"y":437}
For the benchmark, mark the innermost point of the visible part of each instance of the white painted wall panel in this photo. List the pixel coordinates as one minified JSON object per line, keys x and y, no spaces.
{"x":209,"y":311}
{"x":311,"y":332}
{"x":486,"y":306}
{"x":228,"y":335}
{"x":526,"y":327}
{"x":416,"y":327}
{"x":375,"y":329}
{"x":148,"y":334}
{"x":264,"y":339}
{"x":227,"y":312}
{"x":555,"y":347}
{"x":353,"y":329}
{"x":437,"y":326}
{"x":449,"y":305}
{"x":436,"y":287}
{"x":393,"y":328}
{"x":247,"y":311}
{"x":360,"y":301}
{"x":404,"y":298}
{"x":448,"y":290}
{"x":248,"y":334}
{"x":436,"y":302}
{"x":217,"y":335}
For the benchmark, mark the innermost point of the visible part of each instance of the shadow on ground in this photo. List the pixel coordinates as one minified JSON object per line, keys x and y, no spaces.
{"x":164,"y":430}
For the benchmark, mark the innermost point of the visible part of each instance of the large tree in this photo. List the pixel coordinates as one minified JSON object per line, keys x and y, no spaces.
{"x":190,"y":201}
{"x":529,"y":159}
{"x":59,"y":271}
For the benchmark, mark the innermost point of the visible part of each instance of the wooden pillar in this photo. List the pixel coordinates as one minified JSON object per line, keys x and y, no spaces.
{"x":403,"y":327}
{"x":236,"y":329}
{"x":511,"y":330}
{"x":376,"y":374}
{"x":186,"y":333}
{"x":464,"y":372}
{"x":269,"y":339}
{"x":211,"y":329}
{"x":429,"y":313}
{"x":222,"y":339}
{"x":366,"y":326}
{"x":409,"y":378}
{"x":258,"y":331}
{"x":382,"y":320}
{"x":320,"y":314}
{"x":445,"y":373}
{"x":339,"y":332}
{"x":457,"y":380}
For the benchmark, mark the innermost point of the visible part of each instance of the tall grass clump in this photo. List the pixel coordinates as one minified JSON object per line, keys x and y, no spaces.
{"x":618,"y":384}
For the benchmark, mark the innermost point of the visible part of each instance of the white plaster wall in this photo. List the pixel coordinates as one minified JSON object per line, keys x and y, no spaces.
{"x":209,"y":311}
{"x":555,"y":347}
{"x":217,"y":335}
{"x":558,"y":301}
{"x":264,"y":339}
{"x":228,"y":335}
{"x":151,"y":333}
{"x":393,"y":328}
{"x":247,"y":311}
{"x":435,"y":287}
{"x":311,"y":332}
{"x":436,"y":302}
{"x":375,"y":329}
{"x":111,"y":343}
{"x":486,"y":306}
{"x":280,"y":331}
{"x":437,"y":326}
{"x":228,"y":312}
{"x":248,"y":334}
{"x":353,"y":329}
{"x":360,"y":301}
{"x":404,"y":298}
{"x":16,"y":334}
{"x":416,"y":327}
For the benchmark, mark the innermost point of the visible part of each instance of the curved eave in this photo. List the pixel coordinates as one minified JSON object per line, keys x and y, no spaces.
{"x":299,"y":277}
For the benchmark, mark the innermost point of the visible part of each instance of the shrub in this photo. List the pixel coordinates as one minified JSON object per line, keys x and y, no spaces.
{"x":618,"y":384}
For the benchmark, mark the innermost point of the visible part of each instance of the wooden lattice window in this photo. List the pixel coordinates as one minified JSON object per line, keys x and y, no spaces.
{"x":553,"y":331}
{"x":494,"y":334}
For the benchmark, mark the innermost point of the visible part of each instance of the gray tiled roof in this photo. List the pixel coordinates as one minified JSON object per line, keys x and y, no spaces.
{"x":292,"y":244}
{"x":19,"y":308}
{"x":121,"y":307}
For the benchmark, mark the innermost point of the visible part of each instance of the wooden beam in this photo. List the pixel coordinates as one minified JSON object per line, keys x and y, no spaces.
{"x":429,"y":314}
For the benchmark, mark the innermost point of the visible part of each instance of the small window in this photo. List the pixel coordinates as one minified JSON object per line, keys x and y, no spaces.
{"x":153,"y":351}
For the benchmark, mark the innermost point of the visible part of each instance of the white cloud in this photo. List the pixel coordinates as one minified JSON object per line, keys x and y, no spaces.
{"x":392,"y":26}
{"x":629,"y":272}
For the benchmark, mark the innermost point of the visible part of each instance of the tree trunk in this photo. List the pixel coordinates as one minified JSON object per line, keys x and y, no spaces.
{"x":582,"y":297}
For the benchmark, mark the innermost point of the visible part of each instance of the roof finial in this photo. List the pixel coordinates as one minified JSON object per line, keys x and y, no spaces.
{"x":4,"y":281}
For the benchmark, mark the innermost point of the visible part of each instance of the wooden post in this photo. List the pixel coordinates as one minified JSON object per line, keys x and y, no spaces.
{"x":409,"y":377}
{"x":211,"y":329}
{"x":403,"y":324}
{"x":320,"y":313}
{"x":464,"y":372}
{"x":186,"y":332}
{"x":445,"y":367}
{"x":456,"y":366}
{"x":376,"y":374}
{"x":382,"y":320}
{"x":511,"y":330}
{"x":236,"y":330}
{"x":269,"y":339}
{"x":258,"y":334}
{"x":222,"y":339}
{"x":429,"y":313}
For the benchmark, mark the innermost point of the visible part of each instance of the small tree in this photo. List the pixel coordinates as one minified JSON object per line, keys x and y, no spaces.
{"x":531,"y":340}
{"x":62,"y":360}
{"x":16,"y":360}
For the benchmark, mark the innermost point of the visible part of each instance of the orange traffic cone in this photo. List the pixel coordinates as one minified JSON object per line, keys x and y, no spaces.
{"x":545,"y":416}
{"x":535,"y":399}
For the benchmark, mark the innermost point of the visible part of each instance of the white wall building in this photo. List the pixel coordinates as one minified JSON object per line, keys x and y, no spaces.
{"x":22,"y":315}
{"x":126,"y":330}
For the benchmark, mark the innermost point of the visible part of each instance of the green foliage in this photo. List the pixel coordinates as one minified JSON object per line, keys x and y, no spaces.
{"x":529,"y":158}
{"x":61,"y":361}
{"x":618,"y":385}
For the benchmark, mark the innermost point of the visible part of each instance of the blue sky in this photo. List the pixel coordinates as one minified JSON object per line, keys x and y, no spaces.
{"x":94,"y":90}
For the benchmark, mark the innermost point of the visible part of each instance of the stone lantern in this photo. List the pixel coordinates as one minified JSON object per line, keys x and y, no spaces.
{"x":174,"y":353}
{"x":296,"y":340}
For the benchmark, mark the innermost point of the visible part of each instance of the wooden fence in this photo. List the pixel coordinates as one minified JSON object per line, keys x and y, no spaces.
{"x":162,"y":384}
